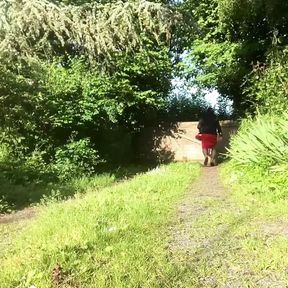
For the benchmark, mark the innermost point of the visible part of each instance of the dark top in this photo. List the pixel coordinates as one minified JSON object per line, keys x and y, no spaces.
{"x":209,"y":126}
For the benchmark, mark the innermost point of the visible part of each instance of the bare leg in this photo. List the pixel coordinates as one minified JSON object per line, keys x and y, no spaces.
{"x":209,"y":152}
{"x":206,"y":155}
{"x":213,"y":156}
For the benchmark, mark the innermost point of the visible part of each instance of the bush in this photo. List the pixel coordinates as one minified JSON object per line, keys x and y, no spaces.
{"x":269,"y":84}
{"x":4,"y":206}
{"x":18,"y":168}
{"x":76,"y":158}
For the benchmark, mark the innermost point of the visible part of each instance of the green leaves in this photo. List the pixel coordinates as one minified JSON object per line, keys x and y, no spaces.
{"x":230,"y":37}
{"x":261,"y":142}
{"x":78,"y":69}
{"x":41,"y":28}
{"x":269,"y":84}
{"x":76,"y":158}
{"x":44,"y":103}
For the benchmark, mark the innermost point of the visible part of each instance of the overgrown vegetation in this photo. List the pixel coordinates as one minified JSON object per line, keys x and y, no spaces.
{"x":79,"y":81}
{"x":23,"y":187}
{"x":240,"y":48}
{"x":64,"y":87}
{"x":259,"y":156}
{"x":230,"y":38}
{"x":115,"y":237}
{"x":268,"y":84}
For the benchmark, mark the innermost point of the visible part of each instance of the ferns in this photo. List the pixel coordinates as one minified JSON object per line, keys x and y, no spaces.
{"x":39,"y":27}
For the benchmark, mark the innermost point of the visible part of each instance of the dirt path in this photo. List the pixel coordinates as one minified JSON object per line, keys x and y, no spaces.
{"x":210,"y":237}
{"x":191,"y":209}
{"x":18,"y":216}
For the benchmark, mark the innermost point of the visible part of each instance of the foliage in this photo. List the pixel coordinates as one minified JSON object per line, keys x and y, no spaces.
{"x":245,"y":19}
{"x":23,"y":187}
{"x":269,"y":84}
{"x":258,"y":152}
{"x":72,"y":72}
{"x":231,"y":37}
{"x":104,"y":238}
{"x":76,"y":99}
{"x":76,"y":158}
{"x":18,"y":168}
{"x":259,"y":156}
{"x":183,"y":109}
{"x":45,"y":29}
{"x":211,"y":59}
{"x":261,"y":142}
{"x":4,"y":206}
{"x":47,"y":103}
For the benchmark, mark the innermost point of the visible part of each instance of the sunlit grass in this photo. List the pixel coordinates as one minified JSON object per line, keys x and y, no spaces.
{"x":261,"y":142}
{"x":115,"y":237}
{"x":237,"y":239}
{"x":15,"y":195}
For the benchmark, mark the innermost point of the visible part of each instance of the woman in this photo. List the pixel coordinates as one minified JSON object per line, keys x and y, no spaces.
{"x":209,"y":127}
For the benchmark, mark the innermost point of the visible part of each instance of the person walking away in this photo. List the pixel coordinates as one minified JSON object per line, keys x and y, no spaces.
{"x":209,"y":130}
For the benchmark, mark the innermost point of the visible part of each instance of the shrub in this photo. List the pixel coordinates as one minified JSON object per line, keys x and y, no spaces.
{"x":269,"y":84}
{"x":76,"y":158}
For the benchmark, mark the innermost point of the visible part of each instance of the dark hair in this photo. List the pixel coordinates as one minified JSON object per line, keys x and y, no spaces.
{"x":210,"y":111}
{"x":209,"y":115}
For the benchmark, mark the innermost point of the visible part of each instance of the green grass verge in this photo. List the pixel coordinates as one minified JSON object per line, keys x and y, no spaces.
{"x":238,"y":238}
{"x":15,"y":195}
{"x":116,"y":237}
{"x":256,"y":221}
{"x":268,"y":184}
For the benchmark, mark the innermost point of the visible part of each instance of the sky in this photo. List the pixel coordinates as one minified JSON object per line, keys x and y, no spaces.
{"x":211,"y":96}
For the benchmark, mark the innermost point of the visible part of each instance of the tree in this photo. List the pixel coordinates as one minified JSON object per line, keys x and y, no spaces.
{"x":231,"y":37}
{"x":69,"y":72}
{"x":45,"y":29}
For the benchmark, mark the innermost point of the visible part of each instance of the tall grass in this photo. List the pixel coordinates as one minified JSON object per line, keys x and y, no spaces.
{"x":261,"y":142}
{"x":259,"y":155}
{"x":115,"y":237}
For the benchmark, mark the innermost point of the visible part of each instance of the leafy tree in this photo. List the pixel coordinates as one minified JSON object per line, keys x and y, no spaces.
{"x":69,"y":72}
{"x":231,"y":37}
{"x":43,"y":28}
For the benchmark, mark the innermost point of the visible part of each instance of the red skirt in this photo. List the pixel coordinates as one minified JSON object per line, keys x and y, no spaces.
{"x":209,"y":141}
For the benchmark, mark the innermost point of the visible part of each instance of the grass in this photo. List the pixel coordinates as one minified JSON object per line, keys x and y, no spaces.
{"x":112,"y":237}
{"x":236,"y":240}
{"x":240,"y":239}
{"x":118,"y":236}
{"x":17,"y":194}
{"x":256,"y":221}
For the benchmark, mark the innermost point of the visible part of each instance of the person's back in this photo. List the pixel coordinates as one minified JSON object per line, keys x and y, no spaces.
{"x":209,"y":127}
{"x":209,"y":124}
